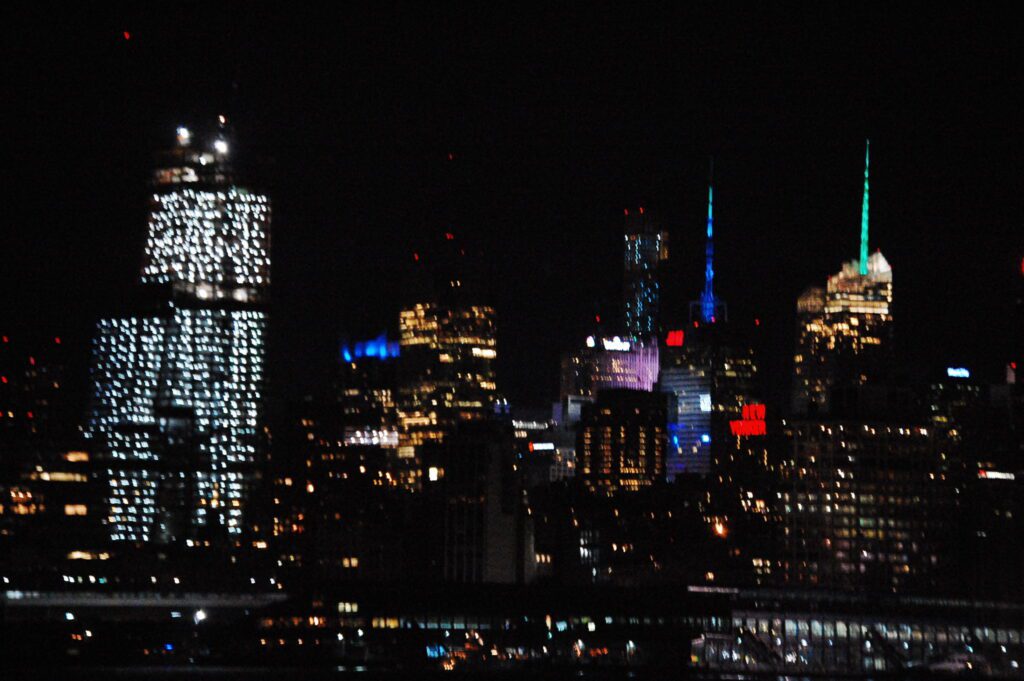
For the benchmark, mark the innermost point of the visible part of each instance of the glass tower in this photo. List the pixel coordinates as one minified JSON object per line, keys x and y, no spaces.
{"x":646,"y":246}
{"x":176,"y":417}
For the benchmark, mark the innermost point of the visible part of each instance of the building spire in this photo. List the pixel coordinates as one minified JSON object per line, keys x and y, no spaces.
{"x":864,"y":215}
{"x":707,"y":298}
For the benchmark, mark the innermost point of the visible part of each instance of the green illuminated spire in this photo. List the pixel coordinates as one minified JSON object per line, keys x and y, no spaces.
{"x":864,"y":215}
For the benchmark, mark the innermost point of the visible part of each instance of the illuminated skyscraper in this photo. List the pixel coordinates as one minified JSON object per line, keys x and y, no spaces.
{"x":845,"y":340}
{"x":448,"y":345}
{"x":448,"y":369}
{"x":602,"y":364}
{"x":710,"y":374}
{"x":646,"y":247}
{"x":177,"y":413}
{"x":365,"y":393}
{"x":810,"y":367}
{"x":866,"y":505}
{"x":710,"y":378}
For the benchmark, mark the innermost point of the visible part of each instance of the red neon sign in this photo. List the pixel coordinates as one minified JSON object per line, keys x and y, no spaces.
{"x":752,"y":423}
{"x":754,"y":412}
{"x":675,"y":338}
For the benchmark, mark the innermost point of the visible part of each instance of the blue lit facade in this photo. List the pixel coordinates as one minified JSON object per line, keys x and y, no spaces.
{"x":646,"y":247}
{"x":379,"y":347}
{"x":176,"y":418}
{"x":689,"y":418}
{"x":708,"y":381}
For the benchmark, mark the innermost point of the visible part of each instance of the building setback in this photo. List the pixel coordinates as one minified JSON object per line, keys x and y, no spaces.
{"x":176,"y":418}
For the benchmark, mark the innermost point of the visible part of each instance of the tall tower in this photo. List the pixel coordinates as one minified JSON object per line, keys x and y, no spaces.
{"x":710,"y":373}
{"x":844,"y":339}
{"x":448,"y":346}
{"x":646,"y":247}
{"x":177,"y":406}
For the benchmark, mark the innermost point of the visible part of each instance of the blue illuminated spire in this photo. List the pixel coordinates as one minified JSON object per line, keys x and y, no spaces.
{"x":707,"y":298}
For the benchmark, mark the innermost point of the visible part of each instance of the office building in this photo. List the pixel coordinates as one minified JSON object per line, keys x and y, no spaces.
{"x":176,"y":420}
{"x":844,"y":338}
{"x":866,"y":506}
{"x":709,"y":378}
{"x":605,"y":364}
{"x":447,"y":340}
{"x":481,"y":531}
{"x":709,"y":373}
{"x":646,"y":247}
{"x":620,"y":443}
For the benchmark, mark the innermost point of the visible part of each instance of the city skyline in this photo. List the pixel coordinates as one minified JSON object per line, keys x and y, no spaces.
{"x":540,"y":194}
{"x":599,"y":341}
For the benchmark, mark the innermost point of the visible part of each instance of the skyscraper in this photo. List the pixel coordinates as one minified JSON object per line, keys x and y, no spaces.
{"x":709,"y":372}
{"x":865,"y":505}
{"x":646,"y":247}
{"x":448,"y":345}
{"x":845,"y":340}
{"x":710,"y":378}
{"x":176,"y":419}
{"x":602,"y":364}
{"x":810,"y":362}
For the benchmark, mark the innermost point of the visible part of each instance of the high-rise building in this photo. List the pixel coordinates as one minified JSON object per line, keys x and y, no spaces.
{"x":365,"y":393}
{"x":621,"y":441}
{"x":480,"y":529}
{"x":866,"y":505}
{"x":978,"y":435}
{"x":844,"y":339}
{"x":710,"y":376}
{"x":810,"y":363}
{"x":646,"y":247}
{"x":448,"y":345}
{"x":605,"y":364}
{"x":176,"y":420}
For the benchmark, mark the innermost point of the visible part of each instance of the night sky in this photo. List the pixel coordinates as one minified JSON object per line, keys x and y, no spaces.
{"x":557,"y":122}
